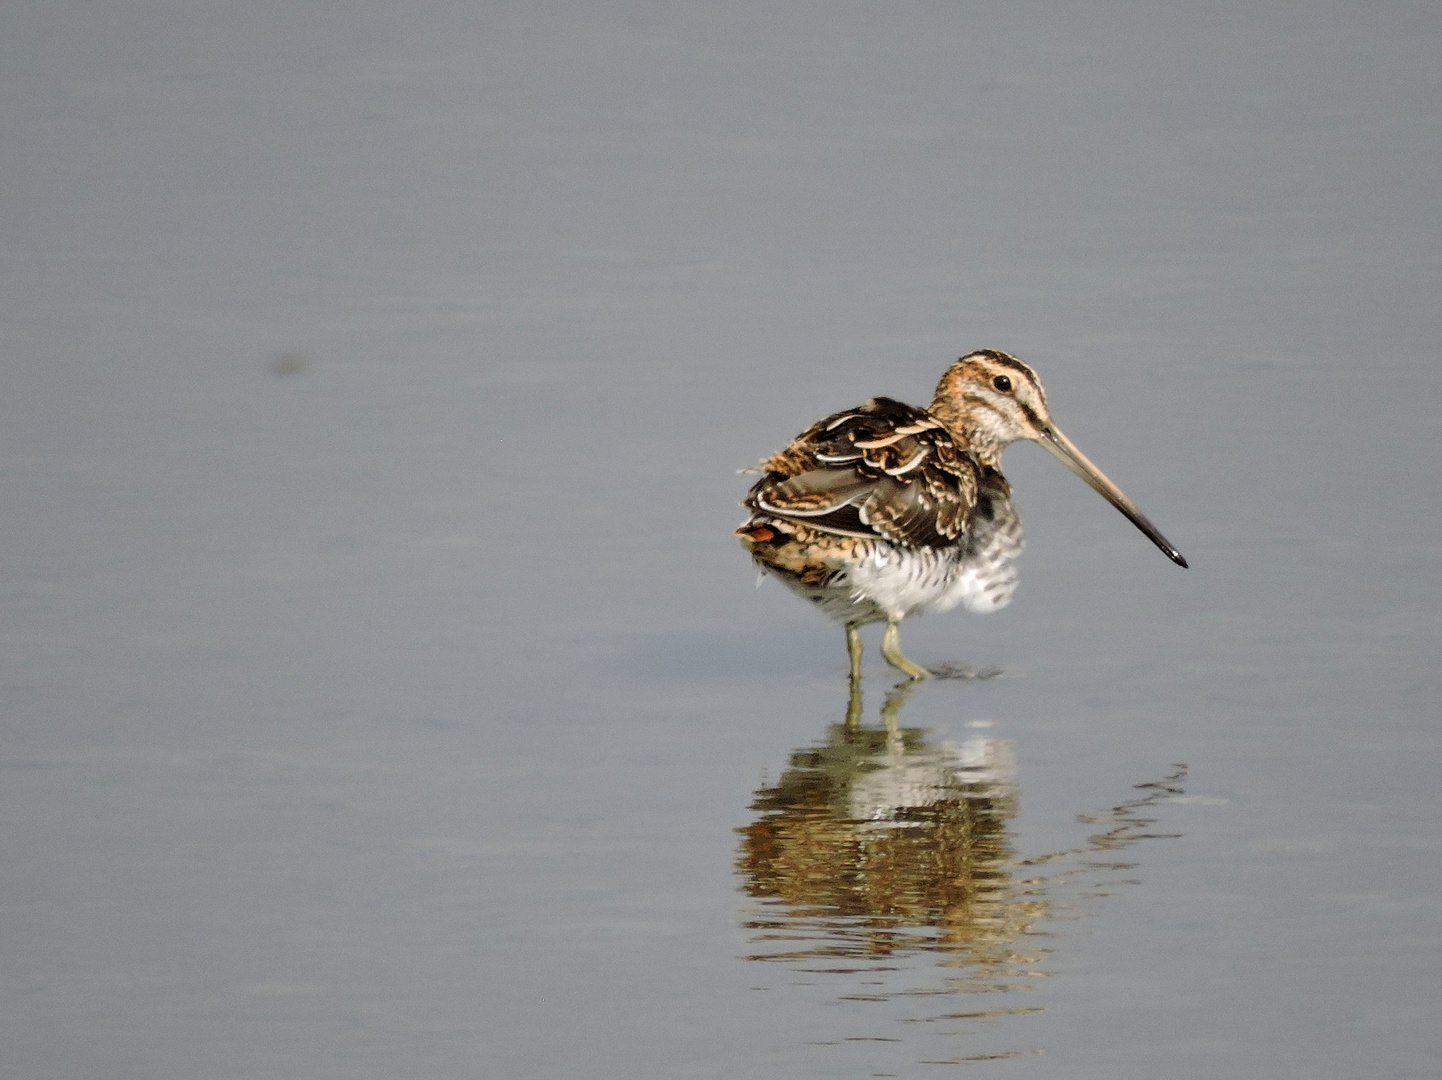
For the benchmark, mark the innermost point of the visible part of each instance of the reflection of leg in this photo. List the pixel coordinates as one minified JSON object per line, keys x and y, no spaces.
{"x":853,"y":708}
{"x":853,"y":649}
{"x":891,"y":709}
{"x":891,"y":650}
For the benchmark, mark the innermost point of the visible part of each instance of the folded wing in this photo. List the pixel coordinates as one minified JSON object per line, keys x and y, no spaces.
{"x":885,"y":470}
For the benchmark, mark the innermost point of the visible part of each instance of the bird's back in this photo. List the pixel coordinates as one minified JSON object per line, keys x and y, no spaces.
{"x":884,"y":504}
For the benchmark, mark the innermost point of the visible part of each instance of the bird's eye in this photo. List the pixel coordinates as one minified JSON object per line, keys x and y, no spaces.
{"x":1002,"y":383}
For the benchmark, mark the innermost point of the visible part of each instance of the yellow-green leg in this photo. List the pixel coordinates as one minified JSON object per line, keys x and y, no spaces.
{"x":891,"y":650}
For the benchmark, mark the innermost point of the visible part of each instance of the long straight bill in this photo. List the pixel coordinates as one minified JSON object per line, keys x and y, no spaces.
{"x":1062,"y":449}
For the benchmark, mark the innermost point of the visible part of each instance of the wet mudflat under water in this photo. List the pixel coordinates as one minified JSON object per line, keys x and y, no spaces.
{"x":383,"y":692}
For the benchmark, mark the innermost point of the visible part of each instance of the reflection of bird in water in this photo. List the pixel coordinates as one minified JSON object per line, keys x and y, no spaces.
{"x":887,"y":510}
{"x":882,"y":840}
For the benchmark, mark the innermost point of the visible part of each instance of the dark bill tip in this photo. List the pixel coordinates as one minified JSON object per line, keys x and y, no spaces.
{"x":1152,"y":533}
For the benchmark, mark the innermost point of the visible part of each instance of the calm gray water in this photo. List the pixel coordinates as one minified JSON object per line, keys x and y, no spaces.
{"x":383,"y":691}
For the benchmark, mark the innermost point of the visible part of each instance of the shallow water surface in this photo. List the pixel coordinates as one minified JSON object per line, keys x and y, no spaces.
{"x":384,"y":693}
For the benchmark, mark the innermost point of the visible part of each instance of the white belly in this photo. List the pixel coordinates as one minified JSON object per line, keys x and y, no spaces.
{"x":903,"y":582}
{"x":882,"y":581}
{"x":893,"y":583}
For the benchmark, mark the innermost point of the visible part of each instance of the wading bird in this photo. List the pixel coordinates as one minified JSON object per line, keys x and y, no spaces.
{"x":887,"y":511}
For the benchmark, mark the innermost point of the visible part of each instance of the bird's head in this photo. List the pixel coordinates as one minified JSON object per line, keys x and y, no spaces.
{"x":992,"y":400}
{"x":989,"y":400}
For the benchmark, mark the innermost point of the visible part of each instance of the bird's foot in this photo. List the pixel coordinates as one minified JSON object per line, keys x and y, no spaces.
{"x":914,"y":672}
{"x":891,"y":653}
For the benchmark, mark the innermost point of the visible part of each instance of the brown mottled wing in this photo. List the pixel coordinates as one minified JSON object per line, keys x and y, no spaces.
{"x":884,"y":470}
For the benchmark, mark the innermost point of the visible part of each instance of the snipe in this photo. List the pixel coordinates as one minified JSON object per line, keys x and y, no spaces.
{"x":887,"y":511}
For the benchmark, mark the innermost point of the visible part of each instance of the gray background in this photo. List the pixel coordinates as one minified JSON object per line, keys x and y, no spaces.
{"x":392,"y":718}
